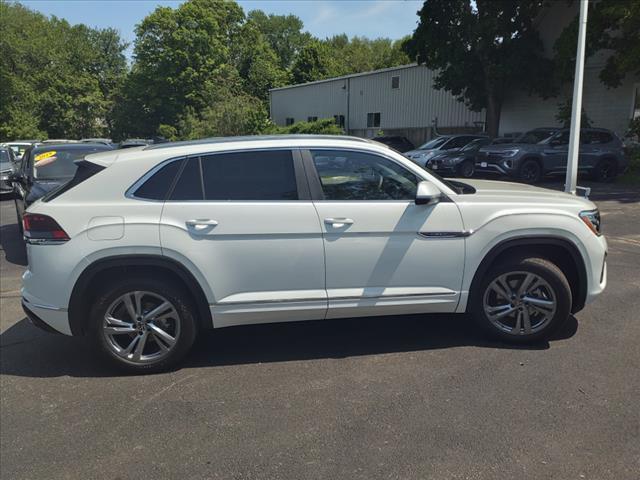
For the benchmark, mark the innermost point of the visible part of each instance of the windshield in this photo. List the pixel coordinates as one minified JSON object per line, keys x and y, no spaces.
{"x":475,"y":145}
{"x":54,"y":164}
{"x":435,"y":143}
{"x":5,"y":160}
{"x":535,"y":136}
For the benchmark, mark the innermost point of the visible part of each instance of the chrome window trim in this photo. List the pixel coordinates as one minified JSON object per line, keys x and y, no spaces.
{"x":130,"y":192}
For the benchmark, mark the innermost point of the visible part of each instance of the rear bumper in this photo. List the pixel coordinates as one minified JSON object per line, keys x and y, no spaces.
{"x":37,"y":321}
{"x":53,"y":318}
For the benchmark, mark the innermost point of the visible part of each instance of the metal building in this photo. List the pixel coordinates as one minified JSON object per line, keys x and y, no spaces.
{"x":397,"y":101}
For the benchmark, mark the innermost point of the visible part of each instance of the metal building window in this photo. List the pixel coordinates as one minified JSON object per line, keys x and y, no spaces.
{"x":373,"y":119}
{"x":289,"y":121}
{"x":312,"y":119}
{"x":395,"y":82}
{"x":339,"y":119}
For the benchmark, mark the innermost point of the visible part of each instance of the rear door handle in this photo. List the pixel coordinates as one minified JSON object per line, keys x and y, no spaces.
{"x":201,"y":225}
{"x":338,"y":222}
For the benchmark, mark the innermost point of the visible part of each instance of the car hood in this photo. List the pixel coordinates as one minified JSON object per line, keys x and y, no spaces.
{"x":518,"y":193}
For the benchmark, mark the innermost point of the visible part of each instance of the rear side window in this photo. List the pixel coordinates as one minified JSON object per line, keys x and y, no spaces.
{"x":158,"y":185}
{"x":189,"y":185}
{"x":255,"y":175}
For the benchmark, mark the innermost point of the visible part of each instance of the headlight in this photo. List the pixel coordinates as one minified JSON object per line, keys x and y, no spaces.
{"x":591,"y":219}
{"x":509,"y":153}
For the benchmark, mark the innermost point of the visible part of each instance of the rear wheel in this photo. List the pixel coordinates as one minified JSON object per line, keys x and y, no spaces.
{"x":143,"y":324}
{"x":522,"y":300}
{"x":466,"y":169}
{"x":606,"y":170}
{"x":530,"y":171}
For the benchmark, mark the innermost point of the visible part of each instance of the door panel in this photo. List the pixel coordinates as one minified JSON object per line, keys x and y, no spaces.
{"x":380,"y":264}
{"x":259,"y":257}
{"x":263,"y":259}
{"x":377,"y":261}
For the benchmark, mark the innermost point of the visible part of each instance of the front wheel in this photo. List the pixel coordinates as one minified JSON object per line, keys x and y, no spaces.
{"x":143,"y":324}
{"x":606,"y":170}
{"x":522,"y":300}
{"x":466,"y":169}
{"x":530,"y":171}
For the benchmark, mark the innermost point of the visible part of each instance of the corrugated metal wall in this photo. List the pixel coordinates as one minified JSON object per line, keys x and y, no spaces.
{"x":415,"y":104}
{"x":322,"y":100}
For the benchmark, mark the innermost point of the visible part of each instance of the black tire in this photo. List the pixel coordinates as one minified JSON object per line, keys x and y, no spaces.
{"x":175,"y":294}
{"x":540,"y":267}
{"x":530,"y":171}
{"x":466,"y":169}
{"x":606,"y":170}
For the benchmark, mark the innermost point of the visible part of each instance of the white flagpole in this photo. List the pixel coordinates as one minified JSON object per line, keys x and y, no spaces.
{"x":576,"y":111}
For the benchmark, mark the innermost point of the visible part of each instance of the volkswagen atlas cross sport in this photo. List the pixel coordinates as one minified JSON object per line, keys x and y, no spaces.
{"x":148,"y":246}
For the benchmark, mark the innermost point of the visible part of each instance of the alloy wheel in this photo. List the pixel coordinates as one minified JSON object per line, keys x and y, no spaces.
{"x":141,"y":327}
{"x":519,"y":303}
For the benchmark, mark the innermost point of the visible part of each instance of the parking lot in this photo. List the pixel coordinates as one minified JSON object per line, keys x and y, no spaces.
{"x":401,"y":397}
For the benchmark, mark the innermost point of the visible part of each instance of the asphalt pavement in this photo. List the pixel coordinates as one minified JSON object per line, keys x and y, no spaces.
{"x":395,"y":397}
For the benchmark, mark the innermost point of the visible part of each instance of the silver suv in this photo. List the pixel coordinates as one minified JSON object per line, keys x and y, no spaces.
{"x":544,"y":151}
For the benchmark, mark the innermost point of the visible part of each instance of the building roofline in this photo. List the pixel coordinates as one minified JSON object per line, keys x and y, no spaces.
{"x":343,"y":77}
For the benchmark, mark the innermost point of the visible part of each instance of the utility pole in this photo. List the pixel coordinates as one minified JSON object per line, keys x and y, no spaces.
{"x":576,"y":110}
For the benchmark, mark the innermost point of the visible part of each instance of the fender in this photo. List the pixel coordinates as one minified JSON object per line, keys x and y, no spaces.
{"x":569,"y":247}
{"x":77,"y":306}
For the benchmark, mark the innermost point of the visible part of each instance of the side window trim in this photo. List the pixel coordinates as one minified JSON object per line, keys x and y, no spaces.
{"x":315,"y":186}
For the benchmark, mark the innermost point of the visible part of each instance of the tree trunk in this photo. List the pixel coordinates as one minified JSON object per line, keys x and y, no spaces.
{"x":494,"y":108}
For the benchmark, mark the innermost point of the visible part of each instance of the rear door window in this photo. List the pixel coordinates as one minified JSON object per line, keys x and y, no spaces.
{"x":253,"y":175}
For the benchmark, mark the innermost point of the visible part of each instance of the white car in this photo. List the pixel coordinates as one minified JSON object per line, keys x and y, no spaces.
{"x":147,"y":246}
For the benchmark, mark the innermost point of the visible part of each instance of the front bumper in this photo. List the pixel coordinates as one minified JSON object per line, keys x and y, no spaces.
{"x":5,"y":185}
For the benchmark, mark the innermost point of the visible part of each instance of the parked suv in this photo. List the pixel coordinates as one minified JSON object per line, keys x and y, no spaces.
{"x":543,"y":152}
{"x":147,"y":247}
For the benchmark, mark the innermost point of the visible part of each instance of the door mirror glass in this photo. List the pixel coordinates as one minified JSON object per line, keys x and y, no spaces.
{"x":427,"y":194}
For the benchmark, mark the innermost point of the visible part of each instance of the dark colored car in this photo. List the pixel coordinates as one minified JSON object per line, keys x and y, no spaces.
{"x":46,"y":167}
{"x":401,"y":144}
{"x":543,"y":152}
{"x":438,"y":145}
{"x":458,"y":162}
{"x":7,"y":167}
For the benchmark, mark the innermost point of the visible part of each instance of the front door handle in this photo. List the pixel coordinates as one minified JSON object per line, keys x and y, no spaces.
{"x":338,"y":222}
{"x":201,"y":225}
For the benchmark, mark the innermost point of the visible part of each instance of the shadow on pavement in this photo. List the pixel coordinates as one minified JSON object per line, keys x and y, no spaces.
{"x":28,"y":352}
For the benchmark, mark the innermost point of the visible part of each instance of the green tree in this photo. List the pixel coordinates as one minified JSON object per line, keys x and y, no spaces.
{"x":179,"y":56}
{"x":315,"y":62}
{"x":283,"y":33}
{"x":480,"y":48}
{"x":613,"y":26}
{"x":257,"y":63}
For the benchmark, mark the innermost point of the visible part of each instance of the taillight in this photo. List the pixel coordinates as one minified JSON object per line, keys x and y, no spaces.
{"x":42,"y":229}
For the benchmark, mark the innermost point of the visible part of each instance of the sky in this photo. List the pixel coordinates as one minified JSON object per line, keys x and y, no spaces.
{"x":322,"y":18}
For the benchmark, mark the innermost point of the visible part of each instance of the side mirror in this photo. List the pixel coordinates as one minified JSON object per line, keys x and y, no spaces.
{"x":427,"y":194}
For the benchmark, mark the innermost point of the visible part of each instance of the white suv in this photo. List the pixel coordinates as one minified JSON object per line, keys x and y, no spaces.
{"x":145,"y":247}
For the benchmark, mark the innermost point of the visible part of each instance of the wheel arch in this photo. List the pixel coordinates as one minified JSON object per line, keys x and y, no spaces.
{"x":82,"y":294}
{"x":560,"y":251}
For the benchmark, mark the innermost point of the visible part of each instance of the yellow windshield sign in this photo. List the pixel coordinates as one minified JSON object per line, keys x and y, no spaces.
{"x":42,"y":156}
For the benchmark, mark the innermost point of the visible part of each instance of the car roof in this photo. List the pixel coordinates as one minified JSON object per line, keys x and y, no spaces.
{"x":251,"y":138}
